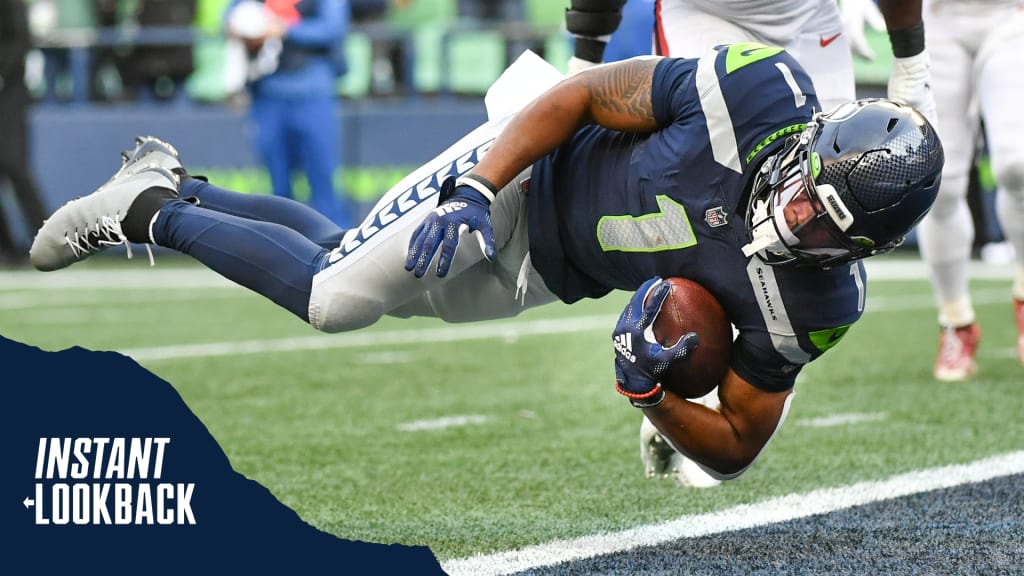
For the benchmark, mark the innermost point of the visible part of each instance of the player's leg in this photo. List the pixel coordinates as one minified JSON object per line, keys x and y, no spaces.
{"x":999,"y":89}
{"x":946,"y":234}
{"x":151,"y":151}
{"x":365,"y":276}
{"x":490,"y":289}
{"x":265,"y":208}
{"x":142,"y":206}
{"x":683,"y":31}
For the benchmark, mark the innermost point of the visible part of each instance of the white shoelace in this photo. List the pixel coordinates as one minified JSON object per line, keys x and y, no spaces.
{"x":951,"y":345}
{"x":107,"y":233}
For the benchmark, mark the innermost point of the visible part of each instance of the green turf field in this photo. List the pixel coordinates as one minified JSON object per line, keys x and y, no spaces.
{"x":485,"y":437}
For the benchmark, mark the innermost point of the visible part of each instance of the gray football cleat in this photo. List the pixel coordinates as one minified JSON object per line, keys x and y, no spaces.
{"x":149,"y":151}
{"x":90,"y":224}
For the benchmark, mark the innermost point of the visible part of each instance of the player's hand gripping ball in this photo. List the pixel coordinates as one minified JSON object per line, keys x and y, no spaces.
{"x":689,"y":307}
{"x":640,"y":358}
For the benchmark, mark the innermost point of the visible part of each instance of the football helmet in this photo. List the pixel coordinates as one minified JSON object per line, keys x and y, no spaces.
{"x":852,"y":184}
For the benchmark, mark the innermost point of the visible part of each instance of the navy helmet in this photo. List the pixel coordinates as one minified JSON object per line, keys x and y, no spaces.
{"x":852,"y":184}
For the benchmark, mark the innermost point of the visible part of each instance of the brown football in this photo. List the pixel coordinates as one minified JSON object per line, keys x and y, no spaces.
{"x":689,"y":307}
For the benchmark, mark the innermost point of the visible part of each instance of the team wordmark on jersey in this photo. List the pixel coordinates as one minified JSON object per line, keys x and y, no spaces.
{"x":107,"y":480}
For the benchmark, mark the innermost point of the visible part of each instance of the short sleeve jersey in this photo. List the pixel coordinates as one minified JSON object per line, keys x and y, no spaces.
{"x":609,"y":210}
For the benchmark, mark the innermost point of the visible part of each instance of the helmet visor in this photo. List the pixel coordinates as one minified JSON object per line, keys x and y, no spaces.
{"x":809,"y":218}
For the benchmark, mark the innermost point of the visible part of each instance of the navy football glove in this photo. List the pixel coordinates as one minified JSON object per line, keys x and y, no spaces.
{"x":640,"y":360}
{"x":461,"y":207}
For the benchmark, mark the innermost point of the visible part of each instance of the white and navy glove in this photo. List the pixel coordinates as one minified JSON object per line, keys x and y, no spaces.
{"x":857,"y":15}
{"x":640,"y":360}
{"x":463,"y":206}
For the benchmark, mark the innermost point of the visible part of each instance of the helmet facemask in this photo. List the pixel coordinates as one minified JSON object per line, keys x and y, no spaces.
{"x":794,"y":221}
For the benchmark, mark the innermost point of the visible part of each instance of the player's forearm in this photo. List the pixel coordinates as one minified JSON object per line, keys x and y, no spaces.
{"x":905,"y":26}
{"x":703,"y":434}
{"x":900,"y":14}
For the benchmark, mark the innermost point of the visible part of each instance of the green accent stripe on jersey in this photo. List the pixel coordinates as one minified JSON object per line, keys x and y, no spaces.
{"x":788,"y":130}
{"x":825,"y":339}
{"x":744,"y":53}
{"x":667,"y":229}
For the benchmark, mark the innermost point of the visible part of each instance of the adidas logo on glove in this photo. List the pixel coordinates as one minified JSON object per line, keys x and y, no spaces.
{"x":624,"y":345}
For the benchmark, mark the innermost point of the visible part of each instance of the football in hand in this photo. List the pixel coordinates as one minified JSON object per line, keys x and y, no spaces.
{"x":689,"y":307}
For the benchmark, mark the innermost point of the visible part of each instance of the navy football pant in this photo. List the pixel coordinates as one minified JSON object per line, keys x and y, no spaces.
{"x":269,"y":244}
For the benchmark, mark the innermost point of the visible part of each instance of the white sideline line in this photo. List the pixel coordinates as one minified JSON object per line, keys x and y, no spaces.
{"x":781,"y":509}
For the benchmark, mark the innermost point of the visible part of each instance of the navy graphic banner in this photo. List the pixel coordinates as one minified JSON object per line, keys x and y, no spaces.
{"x":109,"y":472}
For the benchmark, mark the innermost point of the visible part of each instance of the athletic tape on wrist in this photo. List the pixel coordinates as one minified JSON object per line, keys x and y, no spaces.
{"x":907,"y":42}
{"x":480,"y":184}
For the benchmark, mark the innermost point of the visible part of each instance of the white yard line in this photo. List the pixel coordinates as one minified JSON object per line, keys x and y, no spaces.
{"x":781,"y":509}
{"x":505,"y":329}
{"x":191,"y":280}
{"x":194,"y":276}
{"x":444,"y":423}
{"x":840,"y":419}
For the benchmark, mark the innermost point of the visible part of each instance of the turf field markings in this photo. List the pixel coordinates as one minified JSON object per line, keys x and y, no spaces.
{"x":85,"y":279}
{"x":78,"y":299}
{"x":444,"y":423}
{"x":455,"y":333}
{"x":782,"y":509}
{"x":833,"y":420}
{"x":508,"y":330}
{"x":195,"y":276}
{"x":392,"y":357}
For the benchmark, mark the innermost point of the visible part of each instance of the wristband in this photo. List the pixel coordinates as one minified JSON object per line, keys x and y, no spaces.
{"x":646,"y":400}
{"x":650,"y":402}
{"x":907,"y":42}
{"x":480,"y":184}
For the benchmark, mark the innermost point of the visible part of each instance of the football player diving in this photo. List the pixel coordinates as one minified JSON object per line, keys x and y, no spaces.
{"x":720,"y":169}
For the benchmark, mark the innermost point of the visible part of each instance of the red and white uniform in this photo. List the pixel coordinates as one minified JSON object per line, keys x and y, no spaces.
{"x":810,"y":30}
{"x":975,"y":48}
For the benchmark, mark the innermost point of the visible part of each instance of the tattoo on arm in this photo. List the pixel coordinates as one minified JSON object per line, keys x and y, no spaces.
{"x":622,"y":95}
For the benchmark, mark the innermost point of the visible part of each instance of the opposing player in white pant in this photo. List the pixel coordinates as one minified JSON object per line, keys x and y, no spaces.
{"x":976,"y":47}
{"x":815,"y":32}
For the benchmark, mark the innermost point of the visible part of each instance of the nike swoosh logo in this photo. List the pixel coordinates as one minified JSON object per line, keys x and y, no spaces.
{"x":826,"y":41}
{"x":750,"y":51}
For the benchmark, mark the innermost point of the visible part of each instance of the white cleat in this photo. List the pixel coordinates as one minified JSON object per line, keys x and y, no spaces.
{"x":662,"y":461}
{"x":90,"y":224}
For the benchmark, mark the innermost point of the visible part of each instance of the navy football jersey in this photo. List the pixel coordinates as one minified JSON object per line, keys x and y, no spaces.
{"x":609,"y":209}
